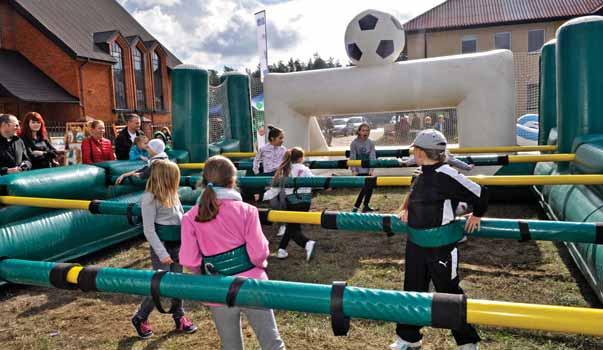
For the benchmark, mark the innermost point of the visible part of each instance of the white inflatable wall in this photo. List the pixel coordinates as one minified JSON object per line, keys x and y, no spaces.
{"x":480,"y":86}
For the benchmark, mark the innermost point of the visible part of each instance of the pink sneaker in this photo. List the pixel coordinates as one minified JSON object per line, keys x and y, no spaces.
{"x":185,"y":325}
{"x":142,"y":328}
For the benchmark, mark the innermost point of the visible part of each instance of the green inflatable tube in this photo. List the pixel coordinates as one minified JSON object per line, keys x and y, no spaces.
{"x":548,"y":92}
{"x":374,"y":304}
{"x":239,"y":106}
{"x":190,"y":111}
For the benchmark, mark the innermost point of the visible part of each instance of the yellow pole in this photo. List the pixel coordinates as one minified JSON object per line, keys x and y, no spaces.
{"x":533,"y":316}
{"x":559,"y":157}
{"x":192,"y":166}
{"x":295,"y":217}
{"x":386,"y":181}
{"x":525,"y":180}
{"x":73,"y":274}
{"x":495,"y":149}
{"x":45,"y":202}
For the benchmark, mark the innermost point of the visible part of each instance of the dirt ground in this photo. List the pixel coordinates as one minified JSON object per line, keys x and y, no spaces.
{"x":533,"y":272}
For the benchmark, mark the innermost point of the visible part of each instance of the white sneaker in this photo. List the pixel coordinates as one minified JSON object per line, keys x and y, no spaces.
{"x":470,"y":346}
{"x":281,"y":230}
{"x":310,"y":249}
{"x":401,"y":344}
{"x":462,"y":240}
{"x":282,"y":254}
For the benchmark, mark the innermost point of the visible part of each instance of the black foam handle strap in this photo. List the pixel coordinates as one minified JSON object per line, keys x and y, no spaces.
{"x":387,"y":225}
{"x":86,"y":279}
{"x":155,"y":284}
{"x":58,"y":276}
{"x":311,"y":164}
{"x":130,"y":215}
{"x":327,"y":184}
{"x":469,"y":160}
{"x":94,"y":206}
{"x":328,"y":220}
{"x":263,"y":213}
{"x":524,"y":231}
{"x":347,"y":154}
{"x":233,"y":290}
{"x":503,"y":160}
{"x":342,"y":164}
{"x":599,"y":233}
{"x":448,"y":311}
{"x":339,"y":321}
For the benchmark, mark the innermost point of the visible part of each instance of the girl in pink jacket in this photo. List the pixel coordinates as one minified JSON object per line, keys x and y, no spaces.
{"x":223,"y":236}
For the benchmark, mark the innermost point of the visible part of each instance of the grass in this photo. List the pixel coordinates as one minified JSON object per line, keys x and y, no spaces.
{"x":533,"y":272}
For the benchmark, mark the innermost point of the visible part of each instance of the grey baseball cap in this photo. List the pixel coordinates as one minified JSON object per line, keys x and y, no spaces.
{"x":430,"y":139}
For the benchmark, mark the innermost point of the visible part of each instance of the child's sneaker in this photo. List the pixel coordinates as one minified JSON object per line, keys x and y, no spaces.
{"x":310,"y":250}
{"x":401,"y":344}
{"x":185,"y":325}
{"x":470,"y":346}
{"x":355,"y":209}
{"x":462,"y":240}
{"x":281,"y":230}
{"x":282,"y":254}
{"x":142,"y":327}
{"x":368,"y":209}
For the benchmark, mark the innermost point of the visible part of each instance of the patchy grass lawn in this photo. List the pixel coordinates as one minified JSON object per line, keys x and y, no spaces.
{"x":542,"y":272}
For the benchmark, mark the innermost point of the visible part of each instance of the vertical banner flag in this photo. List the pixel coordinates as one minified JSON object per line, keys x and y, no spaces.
{"x":260,"y":21}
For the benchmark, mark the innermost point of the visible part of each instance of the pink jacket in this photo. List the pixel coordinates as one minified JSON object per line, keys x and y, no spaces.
{"x":237,"y":223}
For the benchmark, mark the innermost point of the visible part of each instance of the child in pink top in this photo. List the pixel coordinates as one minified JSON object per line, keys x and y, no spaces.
{"x":223,"y":223}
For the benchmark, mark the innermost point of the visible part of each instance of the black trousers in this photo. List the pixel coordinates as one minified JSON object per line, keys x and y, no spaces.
{"x":365,"y":193}
{"x":439,"y":265}
{"x":294,"y":231}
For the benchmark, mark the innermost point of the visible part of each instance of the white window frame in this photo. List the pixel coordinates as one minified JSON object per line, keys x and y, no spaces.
{"x":469,"y":38}
{"x":543,"y":40}
{"x":510,"y":40}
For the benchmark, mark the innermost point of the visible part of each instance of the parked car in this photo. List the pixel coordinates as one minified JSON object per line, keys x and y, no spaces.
{"x":341,"y":127}
{"x":354,"y":122}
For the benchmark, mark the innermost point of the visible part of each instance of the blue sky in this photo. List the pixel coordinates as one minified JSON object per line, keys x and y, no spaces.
{"x":214,"y":33}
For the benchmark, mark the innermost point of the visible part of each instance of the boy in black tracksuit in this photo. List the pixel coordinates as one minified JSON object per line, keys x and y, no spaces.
{"x":431,"y":252}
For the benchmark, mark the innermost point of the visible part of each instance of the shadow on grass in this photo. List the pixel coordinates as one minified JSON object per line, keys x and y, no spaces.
{"x":129,"y":343}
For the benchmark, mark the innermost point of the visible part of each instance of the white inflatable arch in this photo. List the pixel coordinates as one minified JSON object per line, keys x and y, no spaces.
{"x":480,"y":86}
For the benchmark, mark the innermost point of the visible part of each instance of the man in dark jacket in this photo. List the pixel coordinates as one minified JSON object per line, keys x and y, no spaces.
{"x":13,"y":153}
{"x":125,"y":138}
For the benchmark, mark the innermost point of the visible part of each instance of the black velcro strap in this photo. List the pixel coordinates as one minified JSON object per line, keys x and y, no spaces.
{"x":187,"y":181}
{"x":233,"y":290}
{"x":86,"y":279}
{"x":387,"y":225}
{"x":130,"y":215}
{"x":503,"y":160}
{"x":58,"y":276}
{"x":339,"y":321}
{"x":524,"y":231}
{"x":448,"y":311}
{"x":328,"y":220}
{"x":365,"y":163}
{"x":342,"y":164}
{"x":155,"y":283}
{"x":263,"y":212}
{"x":347,"y":154}
{"x":599,"y":233}
{"x":370,"y":182}
{"x":94,"y":206}
{"x":327,"y":183}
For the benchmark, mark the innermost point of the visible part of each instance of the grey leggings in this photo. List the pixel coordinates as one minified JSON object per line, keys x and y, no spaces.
{"x":228,"y":324}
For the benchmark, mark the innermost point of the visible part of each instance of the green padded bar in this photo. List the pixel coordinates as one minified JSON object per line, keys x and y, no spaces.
{"x":579,"y":81}
{"x":70,"y":182}
{"x":547,"y":113}
{"x":14,"y":213}
{"x":374,"y":304}
{"x":62,"y":235}
{"x":190,"y":111}
{"x":239,"y":106}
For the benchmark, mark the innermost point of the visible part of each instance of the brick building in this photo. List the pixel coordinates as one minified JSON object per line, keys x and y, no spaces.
{"x":71,"y":58}
{"x":522,"y":26}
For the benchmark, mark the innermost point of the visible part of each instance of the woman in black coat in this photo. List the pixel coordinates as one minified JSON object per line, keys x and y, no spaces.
{"x":33,"y":133}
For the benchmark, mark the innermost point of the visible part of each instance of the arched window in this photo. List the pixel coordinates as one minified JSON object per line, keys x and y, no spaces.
{"x":119,"y":77}
{"x":158,"y":82}
{"x":139,"y":77}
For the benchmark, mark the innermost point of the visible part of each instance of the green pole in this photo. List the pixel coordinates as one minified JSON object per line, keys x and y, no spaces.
{"x":190,"y":111}
{"x":239,"y":106}
{"x":579,"y":81}
{"x":548,"y":92}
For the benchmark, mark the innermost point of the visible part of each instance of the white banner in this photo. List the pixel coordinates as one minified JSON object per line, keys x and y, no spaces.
{"x":262,"y":41}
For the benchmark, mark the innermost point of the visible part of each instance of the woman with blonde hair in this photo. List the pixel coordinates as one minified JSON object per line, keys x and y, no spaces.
{"x":161,"y":215}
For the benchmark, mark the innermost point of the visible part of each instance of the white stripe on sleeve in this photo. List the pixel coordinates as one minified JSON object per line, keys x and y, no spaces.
{"x":460,"y":178}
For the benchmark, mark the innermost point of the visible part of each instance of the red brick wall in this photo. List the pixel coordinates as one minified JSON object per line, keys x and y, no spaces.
{"x":98,"y":91}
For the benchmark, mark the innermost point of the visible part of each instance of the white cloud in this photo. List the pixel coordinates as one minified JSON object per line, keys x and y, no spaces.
{"x":214,"y":33}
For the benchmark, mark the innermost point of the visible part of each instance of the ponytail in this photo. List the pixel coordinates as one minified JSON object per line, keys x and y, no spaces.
{"x":292,"y":156}
{"x":208,"y":207}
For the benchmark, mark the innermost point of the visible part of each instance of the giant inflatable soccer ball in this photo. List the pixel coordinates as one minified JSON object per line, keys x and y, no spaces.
{"x":374,"y":37}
